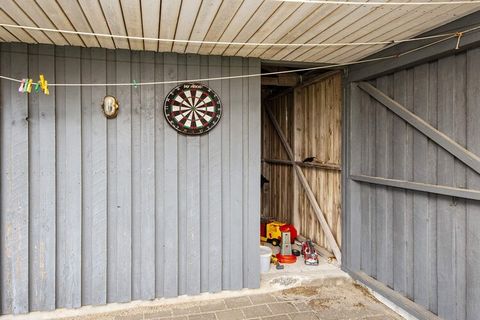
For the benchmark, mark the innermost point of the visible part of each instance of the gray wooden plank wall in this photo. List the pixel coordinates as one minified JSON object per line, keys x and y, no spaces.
{"x":95,"y":211}
{"x":425,"y":246}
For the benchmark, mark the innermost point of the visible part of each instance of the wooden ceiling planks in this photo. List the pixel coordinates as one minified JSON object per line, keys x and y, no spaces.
{"x":113,"y":15}
{"x":17,"y":15}
{"x":206,"y":15}
{"x":133,"y":21}
{"x":56,"y":14}
{"x":254,"y":21}
{"x":168,"y":23}
{"x":151,"y":22}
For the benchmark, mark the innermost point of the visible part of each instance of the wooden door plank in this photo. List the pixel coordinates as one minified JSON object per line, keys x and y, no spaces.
{"x":467,"y":157}
{"x":473,"y":182}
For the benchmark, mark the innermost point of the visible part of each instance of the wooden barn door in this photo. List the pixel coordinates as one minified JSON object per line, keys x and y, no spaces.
{"x":307,"y":194}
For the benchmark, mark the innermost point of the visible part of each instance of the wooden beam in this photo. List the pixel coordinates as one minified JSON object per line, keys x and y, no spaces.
{"x":467,"y":157}
{"x":283,"y":80}
{"x":417,"y":186}
{"x":325,"y":166}
{"x":308,"y":190}
{"x":404,"y":303}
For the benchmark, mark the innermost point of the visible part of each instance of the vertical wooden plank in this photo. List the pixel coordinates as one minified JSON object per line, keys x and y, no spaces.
{"x":371,"y":169}
{"x":421,"y":232}
{"x":245,"y":167}
{"x":399,"y":196}
{"x":94,"y":183}
{"x":137,"y":179}
{"x":69,"y":179}
{"x":356,"y":245}
{"x":226,"y":178}
{"x":42,"y":184}
{"x":362,"y":163}
{"x":171,"y":178}
{"x":215,"y":166}
{"x":120,"y":182}
{"x":383,"y":195}
{"x":410,"y":84}
{"x":143,"y":131}
{"x":160,"y":169}
{"x":193,"y":196}
{"x":459,"y":209}
{"x":14,"y":189}
{"x":473,"y":182}
{"x":253,"y":210}
{"x":432,"y":199}
{"x":445,"y":176}
{"x":204,"y":195}
{"x":182,"y":196}
{"x":235,"y":231}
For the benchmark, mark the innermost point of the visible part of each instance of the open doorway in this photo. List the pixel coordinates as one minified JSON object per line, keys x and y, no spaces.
{"x":301,"y":155}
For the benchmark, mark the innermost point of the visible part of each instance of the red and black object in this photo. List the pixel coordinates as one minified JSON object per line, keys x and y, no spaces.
{"x":310,"y":255}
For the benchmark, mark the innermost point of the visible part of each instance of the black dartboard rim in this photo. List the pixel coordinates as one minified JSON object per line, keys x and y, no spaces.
{"x":192,"y":116}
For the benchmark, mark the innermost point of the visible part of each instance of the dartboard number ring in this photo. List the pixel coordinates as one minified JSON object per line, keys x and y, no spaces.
{"x":192,"y":108}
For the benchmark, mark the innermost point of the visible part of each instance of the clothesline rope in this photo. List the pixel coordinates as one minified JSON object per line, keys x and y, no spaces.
{"x":224,"y":43}
{"x":328,"y":66}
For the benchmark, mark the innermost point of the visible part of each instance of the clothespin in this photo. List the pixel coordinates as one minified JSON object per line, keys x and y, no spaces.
{"x":45,"y":89}
{"x":29,"y":86}
{"x":22,"y":84}
{"x":135,"y":84}
{"x":44,"y":85}
{"x":37,"y":87}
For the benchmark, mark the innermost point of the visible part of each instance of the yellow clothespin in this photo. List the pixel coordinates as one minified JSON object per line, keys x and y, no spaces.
{"x":45,"y":89}
{"x":29,"y":86}
{"x":44,"y":85}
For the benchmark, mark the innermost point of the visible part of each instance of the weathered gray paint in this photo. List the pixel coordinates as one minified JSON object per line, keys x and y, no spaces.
{"x":95,"y":211}
{"x":412,"y":223}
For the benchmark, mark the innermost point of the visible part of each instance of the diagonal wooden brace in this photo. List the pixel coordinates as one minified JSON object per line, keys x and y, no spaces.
{"x":308,"y":190}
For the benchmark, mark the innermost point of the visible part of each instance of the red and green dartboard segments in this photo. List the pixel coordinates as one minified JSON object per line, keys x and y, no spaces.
{"x":192,"y":108}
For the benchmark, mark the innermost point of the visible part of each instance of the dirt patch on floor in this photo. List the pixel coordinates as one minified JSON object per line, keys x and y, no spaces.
{"x":304,"y":291}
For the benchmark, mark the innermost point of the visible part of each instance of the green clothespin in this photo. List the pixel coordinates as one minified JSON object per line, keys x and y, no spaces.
{"x":135,"y":84}
{"x":37,"y":87}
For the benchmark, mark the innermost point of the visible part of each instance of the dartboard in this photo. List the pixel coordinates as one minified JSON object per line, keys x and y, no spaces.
{"x":192,"y":108}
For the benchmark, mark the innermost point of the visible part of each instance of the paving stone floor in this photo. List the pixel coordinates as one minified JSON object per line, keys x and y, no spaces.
{"x":308,"y":302}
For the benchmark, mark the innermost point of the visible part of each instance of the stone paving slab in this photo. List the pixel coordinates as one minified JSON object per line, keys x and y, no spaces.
{"x":347,"y":301}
